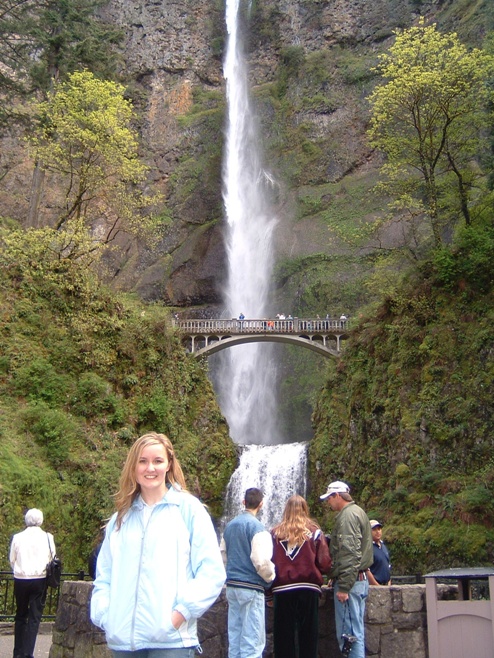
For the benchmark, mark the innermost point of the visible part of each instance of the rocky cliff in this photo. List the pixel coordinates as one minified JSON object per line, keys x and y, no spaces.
{"x":311,"y":70}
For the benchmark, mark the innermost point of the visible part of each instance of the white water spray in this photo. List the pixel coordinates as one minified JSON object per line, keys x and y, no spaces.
{"x":280,"y":471}
{"x":246,"y":377}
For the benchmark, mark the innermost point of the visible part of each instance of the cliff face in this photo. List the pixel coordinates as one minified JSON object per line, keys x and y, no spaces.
{"x":174,"y":52}
{"x":310,"y":66}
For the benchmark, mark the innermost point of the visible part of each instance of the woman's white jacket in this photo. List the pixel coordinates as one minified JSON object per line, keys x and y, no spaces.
{"x":145,"y":571}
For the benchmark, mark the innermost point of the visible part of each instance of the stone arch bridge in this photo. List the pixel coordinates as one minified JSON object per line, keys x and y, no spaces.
{"x":205,"y":337}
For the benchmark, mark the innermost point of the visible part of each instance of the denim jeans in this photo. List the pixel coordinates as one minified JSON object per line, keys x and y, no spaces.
{"x":350,"y":616}
{"x":246,"y":622}
{"x":155,"y":653}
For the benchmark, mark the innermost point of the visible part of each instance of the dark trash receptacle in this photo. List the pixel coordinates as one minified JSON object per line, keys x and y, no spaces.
{"x":462,"y":628}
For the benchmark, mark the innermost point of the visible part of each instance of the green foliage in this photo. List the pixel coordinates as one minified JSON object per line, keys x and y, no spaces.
{"x":406,"y":415}
{"x":46,"y":256}
{"x":85,"y":372}
{"x":153,"y":409}
{"x":85,"y":136}
{"x":428,"y":117}
{"x":52,"y":428}
{"x":38,"y":380}
{"x":40,"y":41}
{"x":93,"y":396}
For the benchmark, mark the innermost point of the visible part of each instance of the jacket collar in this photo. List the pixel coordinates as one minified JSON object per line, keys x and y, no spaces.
{"x":172,"y":497}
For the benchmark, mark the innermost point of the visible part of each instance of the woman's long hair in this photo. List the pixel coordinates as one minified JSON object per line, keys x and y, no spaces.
{"x":296,"y":522}
{"x":129,"y":488}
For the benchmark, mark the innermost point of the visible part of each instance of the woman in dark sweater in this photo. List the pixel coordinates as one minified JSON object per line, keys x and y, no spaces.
{"x":301,"y":557}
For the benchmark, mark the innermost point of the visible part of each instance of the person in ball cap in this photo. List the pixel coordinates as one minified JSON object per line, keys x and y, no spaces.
{"x":380,"y":570}
{"x":351,"y":551}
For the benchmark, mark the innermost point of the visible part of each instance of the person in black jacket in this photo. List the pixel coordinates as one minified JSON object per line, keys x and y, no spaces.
{"x":93,"y":556}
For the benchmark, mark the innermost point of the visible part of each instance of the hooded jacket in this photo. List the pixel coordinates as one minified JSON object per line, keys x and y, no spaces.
{"x":145,"y":570}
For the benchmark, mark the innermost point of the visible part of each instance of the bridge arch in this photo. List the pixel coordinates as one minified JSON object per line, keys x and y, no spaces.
{"x":204,"y":337}
{"x":229,"y":341}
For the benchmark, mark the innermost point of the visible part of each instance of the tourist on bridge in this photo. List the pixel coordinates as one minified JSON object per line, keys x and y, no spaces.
{"x":301,"y":557}
{"x":248,"y":549}
{"x":351,"y":552}
{"x":159,"y":568}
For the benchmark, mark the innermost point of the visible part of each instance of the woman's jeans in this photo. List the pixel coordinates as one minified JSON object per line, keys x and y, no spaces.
{"x":350,"y":616}
{"x":30,"y":598}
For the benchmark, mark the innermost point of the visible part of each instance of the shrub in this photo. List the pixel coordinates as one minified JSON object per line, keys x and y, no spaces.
{"x":153,"y":409}
{"x":92,"y":395}
{"x":54,"y":429}
{"x":39,"y":380}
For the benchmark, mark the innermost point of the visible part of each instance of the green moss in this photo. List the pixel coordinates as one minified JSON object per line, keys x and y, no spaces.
{"x":406,"y":416}
{"x":85,"y":373}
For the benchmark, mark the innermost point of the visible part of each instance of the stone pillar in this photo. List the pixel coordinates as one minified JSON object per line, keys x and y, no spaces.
{"x":74,"y":636}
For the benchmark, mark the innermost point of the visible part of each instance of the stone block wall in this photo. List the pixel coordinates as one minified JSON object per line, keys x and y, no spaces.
{"x":396,"y":624}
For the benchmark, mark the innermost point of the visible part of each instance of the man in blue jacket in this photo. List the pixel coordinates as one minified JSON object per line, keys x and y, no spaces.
{"x":248,"y":548}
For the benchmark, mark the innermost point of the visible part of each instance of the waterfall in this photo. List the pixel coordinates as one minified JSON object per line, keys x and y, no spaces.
{"x":248,"y":381}
{"x":280,"y":471}
{"x":246,"y":376}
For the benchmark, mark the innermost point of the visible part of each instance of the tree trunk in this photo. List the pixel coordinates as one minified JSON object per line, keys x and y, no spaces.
{"x":36,"y":192}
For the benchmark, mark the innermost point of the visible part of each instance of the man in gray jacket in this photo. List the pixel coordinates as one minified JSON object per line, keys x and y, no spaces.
{"x":351,"y":552}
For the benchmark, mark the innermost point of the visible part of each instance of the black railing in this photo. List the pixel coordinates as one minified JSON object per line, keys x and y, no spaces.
{"x":415,"y":579}
{"x":7,"y":600}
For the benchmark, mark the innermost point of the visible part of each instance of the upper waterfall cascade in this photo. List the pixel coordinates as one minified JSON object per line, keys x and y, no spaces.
{"x":246,"y":377}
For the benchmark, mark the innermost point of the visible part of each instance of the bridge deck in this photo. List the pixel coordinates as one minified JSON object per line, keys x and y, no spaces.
{"x":294,"y":326}
{"x":210,"y":336}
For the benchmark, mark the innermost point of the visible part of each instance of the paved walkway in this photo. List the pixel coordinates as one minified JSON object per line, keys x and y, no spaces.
{"x":43,"y":641}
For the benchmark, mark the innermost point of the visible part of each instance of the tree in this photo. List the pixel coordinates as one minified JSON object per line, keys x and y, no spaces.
{"x":85,"y":138}
{"x":428,"y":119}
{"x":42,"y":40}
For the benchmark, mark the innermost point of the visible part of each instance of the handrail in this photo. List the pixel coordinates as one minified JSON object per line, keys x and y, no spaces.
{"x":7,"y":600}
{"x":262,"y":325}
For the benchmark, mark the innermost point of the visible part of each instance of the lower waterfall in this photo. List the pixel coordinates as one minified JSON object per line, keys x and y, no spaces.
{"x":279,"y":471}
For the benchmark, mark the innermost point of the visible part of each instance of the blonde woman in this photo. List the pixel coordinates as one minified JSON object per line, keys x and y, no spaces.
{"x":159,"y":568}
{"x":301,"y":557}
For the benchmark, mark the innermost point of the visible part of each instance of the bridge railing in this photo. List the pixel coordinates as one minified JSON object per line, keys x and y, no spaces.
{"x":250,"y":326}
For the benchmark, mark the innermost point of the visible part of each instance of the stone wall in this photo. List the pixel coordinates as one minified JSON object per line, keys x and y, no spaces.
{"x":396,"y":624}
